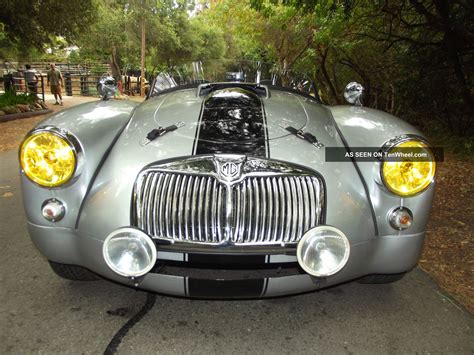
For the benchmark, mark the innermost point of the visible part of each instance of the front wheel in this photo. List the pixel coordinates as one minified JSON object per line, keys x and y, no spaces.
{"x":72,"y":272}
{"x":381,"y":279}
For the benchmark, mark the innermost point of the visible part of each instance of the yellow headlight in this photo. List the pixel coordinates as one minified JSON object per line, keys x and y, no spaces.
{"x":409,"y":176}
{"x":47,"y":159}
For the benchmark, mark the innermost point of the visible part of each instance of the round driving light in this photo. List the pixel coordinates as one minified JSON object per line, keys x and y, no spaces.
{"x":410,"y":175}
{"x":53,"y":210}
{"x":400,"y":218}
{"x":129,"y":252}
{"x":47,"y":158}
{"x":323,"y":251}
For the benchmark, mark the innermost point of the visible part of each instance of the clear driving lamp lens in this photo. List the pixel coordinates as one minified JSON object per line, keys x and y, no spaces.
{"x":129,"y":252}
{"x":323,"y":251}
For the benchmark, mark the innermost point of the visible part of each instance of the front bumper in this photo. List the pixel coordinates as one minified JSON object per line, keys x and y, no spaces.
{"x":382,"y":255}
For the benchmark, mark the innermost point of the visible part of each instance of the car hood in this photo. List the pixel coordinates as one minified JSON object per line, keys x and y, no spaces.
{"x":115,"y":180}
{"x":231,"y":120}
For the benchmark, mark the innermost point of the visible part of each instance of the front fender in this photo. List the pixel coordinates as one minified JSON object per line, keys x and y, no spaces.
{"x":96,"y":125}
{"x":366,"y":127}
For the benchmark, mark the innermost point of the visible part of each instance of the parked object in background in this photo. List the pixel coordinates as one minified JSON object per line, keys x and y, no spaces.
{"x":107,"y":87}
{"x":218,"y":188}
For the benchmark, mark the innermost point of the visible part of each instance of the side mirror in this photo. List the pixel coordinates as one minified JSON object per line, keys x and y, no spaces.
{"x":353,"y":93}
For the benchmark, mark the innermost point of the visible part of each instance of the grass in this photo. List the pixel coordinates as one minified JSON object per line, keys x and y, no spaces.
{"x":9,"y":98}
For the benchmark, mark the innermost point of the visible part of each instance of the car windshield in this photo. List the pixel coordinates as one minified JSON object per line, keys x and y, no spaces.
{"x":256,"y":73}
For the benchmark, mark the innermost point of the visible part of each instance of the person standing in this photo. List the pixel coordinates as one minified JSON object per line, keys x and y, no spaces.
{"x":31,"y":79}
{"x":55,"y":80}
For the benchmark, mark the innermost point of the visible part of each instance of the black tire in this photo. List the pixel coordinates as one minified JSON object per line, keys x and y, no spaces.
{"x":72,"y":272}
{"x":381,"y":279}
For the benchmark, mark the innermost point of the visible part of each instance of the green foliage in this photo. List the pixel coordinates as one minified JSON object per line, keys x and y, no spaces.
{"x":9,"y":98}
{"x":171,"y":34}
{"x":414,"y":57}
{"x":27,"y":24}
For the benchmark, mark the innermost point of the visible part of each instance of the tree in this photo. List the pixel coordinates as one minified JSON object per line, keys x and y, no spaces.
{"x":413,"y":56}
{"x":35,"y":23}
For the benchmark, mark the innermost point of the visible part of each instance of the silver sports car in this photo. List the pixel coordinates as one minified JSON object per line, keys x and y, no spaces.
{"x":232,"y":179}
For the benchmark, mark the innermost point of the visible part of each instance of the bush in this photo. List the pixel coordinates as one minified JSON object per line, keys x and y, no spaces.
{"x":9,"y":98}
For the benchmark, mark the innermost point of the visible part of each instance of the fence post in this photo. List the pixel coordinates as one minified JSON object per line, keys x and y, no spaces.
{"x":68,"y":84}
{"x":42,"y":87}
{"x":7,"y":82}
{"x":84,"y":86}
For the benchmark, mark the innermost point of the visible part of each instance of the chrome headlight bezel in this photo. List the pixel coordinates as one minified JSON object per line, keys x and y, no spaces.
{"x":73,"y":143}
{"x":309,"y":235}
{"x":139,"y":234}
{"x":393,"y":143}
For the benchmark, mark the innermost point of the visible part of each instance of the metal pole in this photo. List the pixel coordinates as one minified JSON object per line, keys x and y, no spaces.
{"x":142,"y":84}
{"x":42,"y":87}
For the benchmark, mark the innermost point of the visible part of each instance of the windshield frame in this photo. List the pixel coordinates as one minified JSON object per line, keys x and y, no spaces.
{"x":167,"y":77}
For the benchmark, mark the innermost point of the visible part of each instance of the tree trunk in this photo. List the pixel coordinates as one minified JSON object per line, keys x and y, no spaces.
{"x":115,"y":67}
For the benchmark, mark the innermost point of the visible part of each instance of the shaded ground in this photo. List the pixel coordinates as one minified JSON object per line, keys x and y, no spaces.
{"x":448,"y":254}
{"x":12,"y":132}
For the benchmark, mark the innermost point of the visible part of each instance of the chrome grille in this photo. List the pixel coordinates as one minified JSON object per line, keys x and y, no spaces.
{"x":274,"y":210}
{"x":181,"y":207}
{"x":265,"y":205}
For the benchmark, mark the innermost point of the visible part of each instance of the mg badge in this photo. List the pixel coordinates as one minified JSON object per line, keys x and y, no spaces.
{"x":229,"y":169}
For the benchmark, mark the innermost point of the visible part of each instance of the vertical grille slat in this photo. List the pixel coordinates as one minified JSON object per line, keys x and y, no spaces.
{"x":201,"y":202}
{"x":257,"y":206}
{"x":294,"y":206}
{"x":219,"y":215}
{"x":264,"y":204}
{"x":289,"y":211}
{"x":307,"y":212}
{"x":248,"y":235}
{"x":156,"y":206}
{"x":195,"y":208}
{"x":276,"y":221}
{"x":181,"y":210}
{"x":301,"y":219}
{"x":243,"y":210}
{"x":270,"y":213}
{"x":207,"y":201}
{"x":214,"y":212}
{"x":312,"y":199}
{"x":150,"y":222}
{"x":174,"y":205}
{"x":168,"y":204}
{"x":188,"y":235}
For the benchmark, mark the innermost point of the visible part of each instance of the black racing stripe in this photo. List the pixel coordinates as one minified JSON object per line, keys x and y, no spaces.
{"x":232,"y":121}
{"x":204,"y":288}
{"x":216,"y":259}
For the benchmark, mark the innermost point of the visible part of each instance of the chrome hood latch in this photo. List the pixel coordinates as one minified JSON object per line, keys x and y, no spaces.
{"x":156,"y":132}
{"x":308,"y":137}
